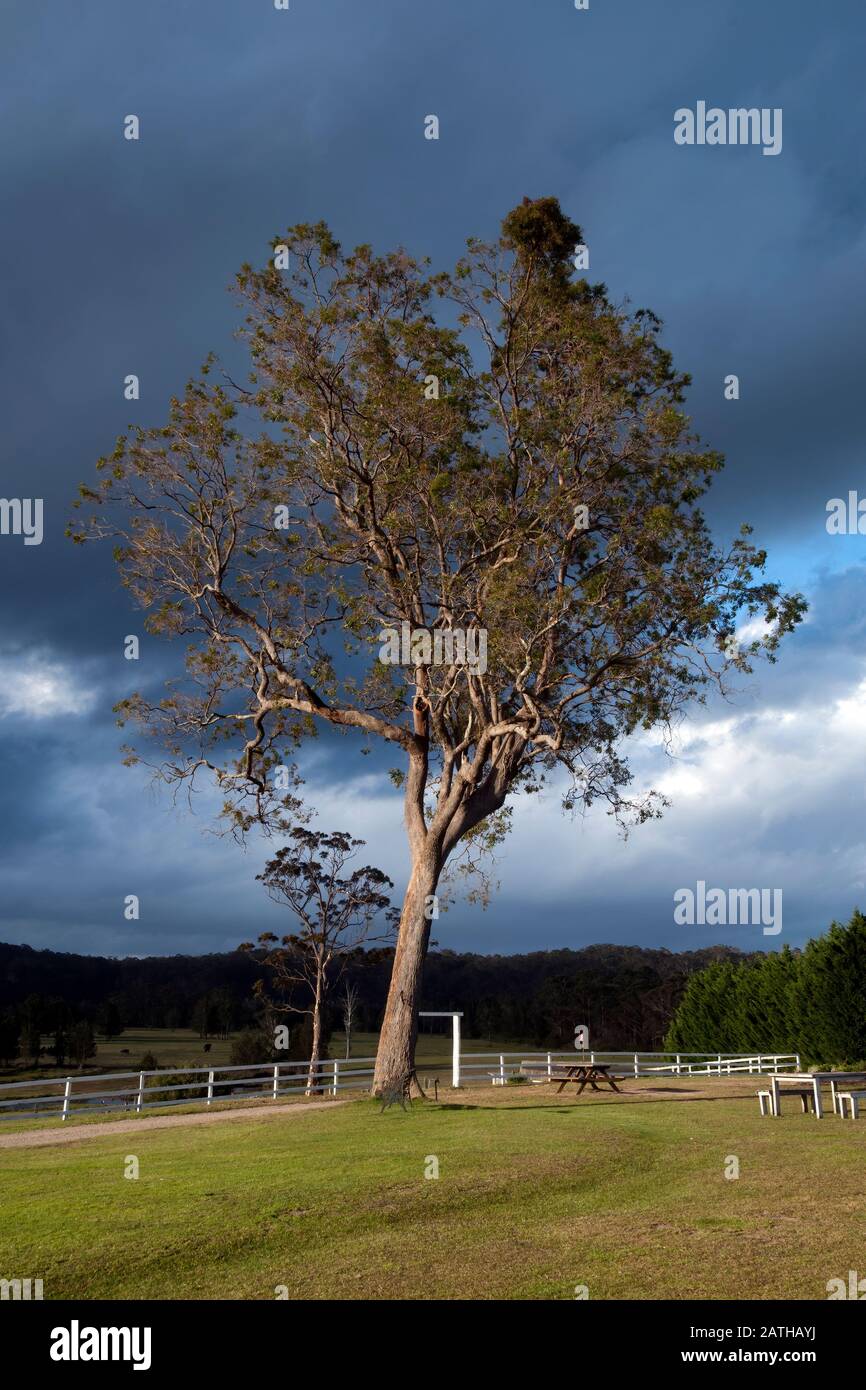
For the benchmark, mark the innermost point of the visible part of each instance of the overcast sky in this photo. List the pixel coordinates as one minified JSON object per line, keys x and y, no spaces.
{"x":116,"y":259}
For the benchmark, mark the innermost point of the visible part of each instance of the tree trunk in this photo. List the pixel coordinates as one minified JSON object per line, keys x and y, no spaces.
{"x":395,"y":1058}
{"x":314,"y":1083}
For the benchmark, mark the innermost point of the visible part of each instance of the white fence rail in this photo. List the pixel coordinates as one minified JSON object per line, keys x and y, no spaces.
{"x":149,"y":1090}
{"x":155,"y":1089}
{"x":477,"y":1065}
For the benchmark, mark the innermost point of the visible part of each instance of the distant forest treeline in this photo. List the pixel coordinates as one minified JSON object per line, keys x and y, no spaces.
{"x":628,"y":995}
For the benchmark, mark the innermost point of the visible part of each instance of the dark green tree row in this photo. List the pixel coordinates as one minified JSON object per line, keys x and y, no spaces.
{"x":40,"y":1026}
{"x":812,"y":1002}
{"x":626,"y":994}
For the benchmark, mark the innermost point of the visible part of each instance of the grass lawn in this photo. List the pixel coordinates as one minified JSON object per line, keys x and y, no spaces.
{"x":172,"y":1047}
{"x":536,"y":1195}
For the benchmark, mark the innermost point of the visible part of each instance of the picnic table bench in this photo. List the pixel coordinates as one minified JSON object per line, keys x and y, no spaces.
{"x":836,"y":1080}
{"x":807,"y":1099}
{"x":579,"y":1074}
{"x":854,"y":1099}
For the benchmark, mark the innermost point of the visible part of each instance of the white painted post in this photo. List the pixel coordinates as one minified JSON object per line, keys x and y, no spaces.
{"x":760,"y":1064}
{"x":592,"y":1059}
{"x":336,"y":1071}
{"x":774,"y":1098}
{"x":502,"y":1069}
{"x":209,"y":1087}
{"x":139,"y":1100}
{"x":797,"y":1055}
{"x":276,"y":1080}
{"x":67,"y":1092}
{"x":720,"y":1064}
{"x":635,"y":1064}
{"x":549,"y":1067}
{"x":679,"y":1068}
{"x":455,"y":1051}
{"x":816,"y":1093}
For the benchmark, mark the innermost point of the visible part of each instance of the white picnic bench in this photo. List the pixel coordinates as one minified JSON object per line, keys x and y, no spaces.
{"x":807,"y":1085}
{"x":852,"y":1099}
{"x":765,"y":1098}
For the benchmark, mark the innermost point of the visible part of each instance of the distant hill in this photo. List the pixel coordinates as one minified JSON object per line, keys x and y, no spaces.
{"x":626,"y":994}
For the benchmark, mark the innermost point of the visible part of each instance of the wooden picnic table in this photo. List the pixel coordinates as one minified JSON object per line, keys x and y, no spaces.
{"x":816,"y":1079}
{"x":583,"y":1074}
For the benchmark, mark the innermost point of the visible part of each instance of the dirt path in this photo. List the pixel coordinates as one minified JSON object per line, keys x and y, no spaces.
{"x":37,"y":1138}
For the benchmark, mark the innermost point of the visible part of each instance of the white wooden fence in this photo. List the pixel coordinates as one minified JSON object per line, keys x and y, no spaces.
{"x":477,"y":1065}
{"x":147,"y":1090}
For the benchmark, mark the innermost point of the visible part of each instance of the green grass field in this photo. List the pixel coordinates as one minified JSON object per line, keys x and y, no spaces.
{"x":535,"y":1196}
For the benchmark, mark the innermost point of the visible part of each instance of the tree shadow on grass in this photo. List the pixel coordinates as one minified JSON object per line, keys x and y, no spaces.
{"x":629,"y":1098}
{"x":501,"y":1109}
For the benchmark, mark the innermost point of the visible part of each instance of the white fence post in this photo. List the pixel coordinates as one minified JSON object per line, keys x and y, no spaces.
{"x":549,"y":1067}
{"x":797,"y":1055}
{"x":502,"y":1068}
{"x":67,"y":1092}
{"x":209,"y":1087}
{"x":720,"y":1064}
{"x":336,"y":1070}
{"x":679,"y":1068}
{"x":592,"y":1059}
{"x":455,"y":1051}
{"x":635,"y":1064}
{"x":276,"y":1081}
{"x":139,"y":1100}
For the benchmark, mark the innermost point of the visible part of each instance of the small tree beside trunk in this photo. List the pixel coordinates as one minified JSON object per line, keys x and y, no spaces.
{"x":337,"y":913}
{"x":350,"y":998}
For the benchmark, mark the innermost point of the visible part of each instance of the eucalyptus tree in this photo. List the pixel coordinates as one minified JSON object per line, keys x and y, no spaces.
{"x":349,"y":1002}
{"x":500,"y":454}
{"x":334,"y":914}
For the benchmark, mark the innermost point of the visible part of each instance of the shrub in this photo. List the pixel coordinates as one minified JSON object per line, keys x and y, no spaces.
{"x":195,"y":1084}
{"x":251,"y":1047}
